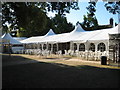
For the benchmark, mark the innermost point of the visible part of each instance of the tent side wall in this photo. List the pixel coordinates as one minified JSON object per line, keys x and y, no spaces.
{"x":80,"y":42}
{"x":11,"y":46}
{"x":114,"y":48}
{"x":17,"y":48}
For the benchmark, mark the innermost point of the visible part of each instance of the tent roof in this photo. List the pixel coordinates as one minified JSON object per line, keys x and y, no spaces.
{"x":78,"y":34}
{"x":65,"y":37}
{"x":97,"y":35}
{"x":32,"y":39}
{"x":7,"y":36}
{"x":50,"y":33}
{"x":19,"y":38}
{"x":104,"y":34}
{"x":55,"y":38}
{"x":38,"y":38}
{"x":115,"y":30}
{"x":78,"y":29}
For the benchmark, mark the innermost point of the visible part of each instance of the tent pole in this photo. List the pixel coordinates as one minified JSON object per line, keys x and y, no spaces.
{"x":86,"y":51}
{"x":70,"y":47}
{"x":57,"y":49}
{"x":42,"y":46}
{"x":37,"y":45}
{"x":40,"y":49}
{"x":66,"y":48}
{"x":77,"y":49}
{"x":37,"y":48}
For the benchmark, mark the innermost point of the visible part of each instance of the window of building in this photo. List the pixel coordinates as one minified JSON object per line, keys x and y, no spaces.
{"x":82,"y":47}
{"x":92,"y":47}
{"x":101,"y":47}
{"x":44,"y":46}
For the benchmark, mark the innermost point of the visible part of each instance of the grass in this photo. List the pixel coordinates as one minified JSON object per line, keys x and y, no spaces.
{"x":68,"y":60}
{"x":46,"y":73}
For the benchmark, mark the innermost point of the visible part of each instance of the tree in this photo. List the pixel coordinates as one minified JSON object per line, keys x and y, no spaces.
{"x":90,"y":20}
{"x":113,"y":7}
{"x":62,"y":7}
{"x":61,"y":24}
{"x":30,"y":19}
{"x":26,"y":17}
{"x":49,"y":25}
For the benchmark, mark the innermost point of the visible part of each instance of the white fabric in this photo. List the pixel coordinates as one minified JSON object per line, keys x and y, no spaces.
{"x":7,"y":36}
{"x":32,"y":39}
{"x":37,"y":39}
{"x":98,"y":35}
{"x":50,"y":33}
{"x":65,"y":37}
{"x":20,"y":38}
{"x":78,"y":34}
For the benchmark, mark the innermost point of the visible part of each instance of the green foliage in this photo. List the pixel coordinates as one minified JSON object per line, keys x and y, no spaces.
{"x":61,"y":24}
{"x":20,"y":32}
{"x":113,"y":7}
{"x":90,"y":20}
{"x":30,"y":19}
{"x":26,"y":15}
{"x":62,"y":7}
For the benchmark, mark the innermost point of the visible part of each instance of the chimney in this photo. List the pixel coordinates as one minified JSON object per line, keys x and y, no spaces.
{"x":111,"y":22}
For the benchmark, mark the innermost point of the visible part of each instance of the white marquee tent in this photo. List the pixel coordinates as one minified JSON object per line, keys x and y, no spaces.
{"x":99,"y":34}
{"x":78,"y":34}
{"x":7,"y":36}
{"x":80,"y":42}
{"x":38,"y":38}
{"x":16,"y":45}
{"x":55,"y":38}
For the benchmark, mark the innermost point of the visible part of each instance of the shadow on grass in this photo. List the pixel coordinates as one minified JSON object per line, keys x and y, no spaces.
{"x":63,"y":58}
{"x":52,"y":75}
